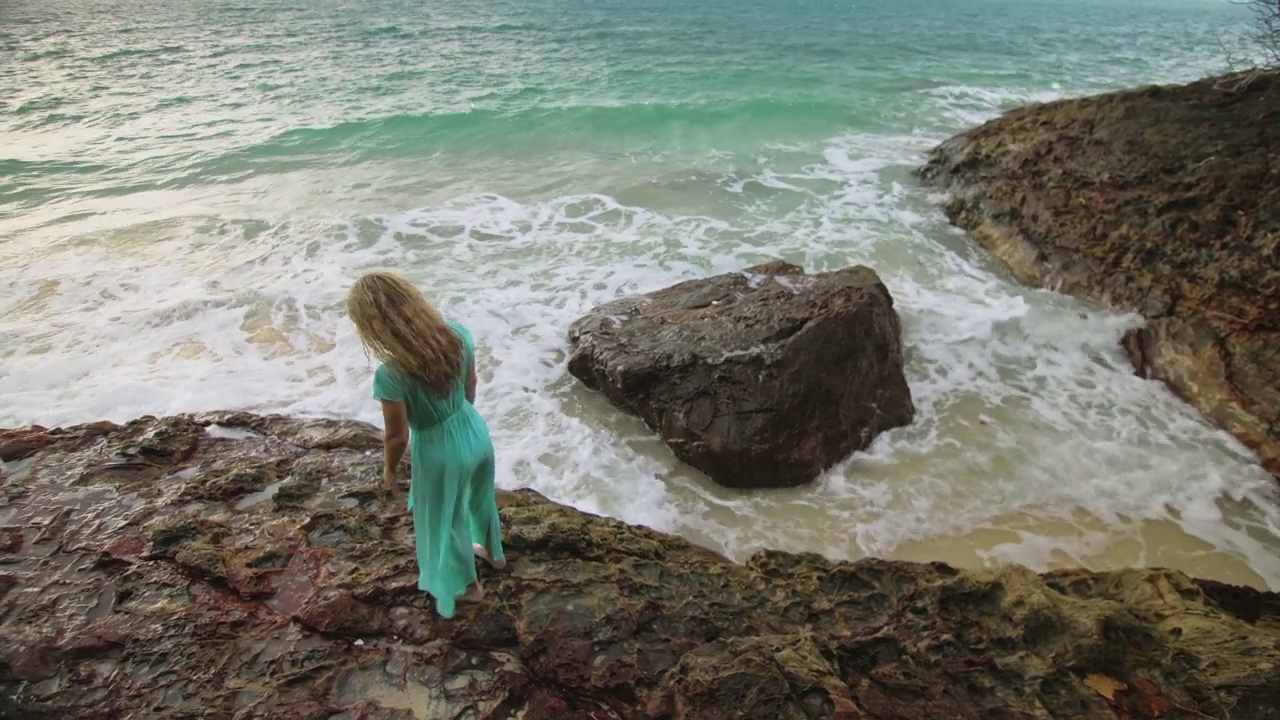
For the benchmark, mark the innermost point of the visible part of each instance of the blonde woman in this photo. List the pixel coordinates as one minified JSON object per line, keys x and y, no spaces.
{"x":427,"y":383}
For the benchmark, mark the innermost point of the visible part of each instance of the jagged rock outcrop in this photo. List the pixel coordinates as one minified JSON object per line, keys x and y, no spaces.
{"x":1161,"y":200}
{"x":759,"y":378}
{"x":228,"y":565}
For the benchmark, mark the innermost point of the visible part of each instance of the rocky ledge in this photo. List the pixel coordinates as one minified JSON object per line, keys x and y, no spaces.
{"x":1160,"y":200}
{"x":235,"y":566}
{"x":759,"y":378}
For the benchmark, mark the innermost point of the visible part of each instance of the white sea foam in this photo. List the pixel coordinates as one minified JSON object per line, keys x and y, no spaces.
{"x":1033,"y":440}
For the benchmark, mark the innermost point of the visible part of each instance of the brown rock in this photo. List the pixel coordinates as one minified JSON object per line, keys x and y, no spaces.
{"x":760,"y":378}
{"x":1161,"y":200}
{"x":10,"y":539}
{"x":310,"y":610}
{"x":21,"y":443}
{"x":337,"y":613}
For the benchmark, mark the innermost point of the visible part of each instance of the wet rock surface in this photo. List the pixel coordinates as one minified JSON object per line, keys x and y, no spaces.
{"x":759,"y":378}
{"x":1161,"y":200}
{"x":130,"y":589}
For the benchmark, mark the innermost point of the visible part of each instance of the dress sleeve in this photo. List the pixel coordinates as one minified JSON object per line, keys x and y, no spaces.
{"x":385,"y":386}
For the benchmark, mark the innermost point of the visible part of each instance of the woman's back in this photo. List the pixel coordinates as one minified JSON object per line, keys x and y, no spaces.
{"x":426,"y":406}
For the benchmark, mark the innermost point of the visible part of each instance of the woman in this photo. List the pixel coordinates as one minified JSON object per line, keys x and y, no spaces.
{"x":427,"y":385}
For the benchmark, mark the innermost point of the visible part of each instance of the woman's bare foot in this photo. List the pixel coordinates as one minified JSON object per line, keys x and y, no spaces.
{"x":483,"y":554}
{"x":474,"y":593}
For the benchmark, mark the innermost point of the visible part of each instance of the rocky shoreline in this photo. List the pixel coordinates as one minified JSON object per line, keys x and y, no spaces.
{"x":233,"y":566}
{"x":1160,"y":200}
{"x":229,"y":565}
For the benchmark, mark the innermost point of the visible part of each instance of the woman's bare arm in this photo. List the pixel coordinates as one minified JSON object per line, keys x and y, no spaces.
{"x":395,"y":418}
{"x":470,"y":384}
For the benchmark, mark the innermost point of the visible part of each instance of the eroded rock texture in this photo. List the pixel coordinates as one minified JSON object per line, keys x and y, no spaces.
{"x":234,"y":566}
{"x":759,"y":378}
{"x":1161,"y":200}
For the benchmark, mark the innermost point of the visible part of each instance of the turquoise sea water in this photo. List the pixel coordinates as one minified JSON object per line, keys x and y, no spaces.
{"x":187,"y":189}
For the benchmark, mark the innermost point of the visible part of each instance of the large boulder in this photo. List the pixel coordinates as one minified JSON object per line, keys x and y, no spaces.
{"x":759,"y":378}
{"x":1160,"y":200}
{"x":234,"y":567}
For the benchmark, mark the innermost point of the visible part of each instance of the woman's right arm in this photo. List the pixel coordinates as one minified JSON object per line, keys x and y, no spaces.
{"x":470,"y":384}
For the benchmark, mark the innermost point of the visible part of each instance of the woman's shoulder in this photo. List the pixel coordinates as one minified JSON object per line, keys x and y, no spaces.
{"x":388,"y":383}
{"x":385,"y":371}
{"x":462,"y":330}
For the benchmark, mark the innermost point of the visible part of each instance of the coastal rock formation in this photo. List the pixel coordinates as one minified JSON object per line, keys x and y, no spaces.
{"x":232,"y":566}
{"x":759,"y":378}
{"x":1161,"y":200}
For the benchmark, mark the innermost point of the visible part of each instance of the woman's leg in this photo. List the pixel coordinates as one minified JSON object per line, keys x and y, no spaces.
{"x":445,"y":570}
{"x":473,"y":594}
{"x":482,"y":511}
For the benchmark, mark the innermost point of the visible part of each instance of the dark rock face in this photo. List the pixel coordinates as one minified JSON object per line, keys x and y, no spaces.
{"x":1162,"y":200}
{"x":121,"y":598}
{"x":760,"y":378}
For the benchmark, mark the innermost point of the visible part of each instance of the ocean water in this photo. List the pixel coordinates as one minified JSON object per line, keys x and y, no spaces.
{"x":187,"y":189}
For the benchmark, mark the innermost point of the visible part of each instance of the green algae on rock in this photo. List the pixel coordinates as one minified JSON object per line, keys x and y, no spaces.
{"x":1160,"y":200}
{"x":122,"y":597}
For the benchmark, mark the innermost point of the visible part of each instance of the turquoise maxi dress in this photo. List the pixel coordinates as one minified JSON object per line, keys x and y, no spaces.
{"x":451,"y":494}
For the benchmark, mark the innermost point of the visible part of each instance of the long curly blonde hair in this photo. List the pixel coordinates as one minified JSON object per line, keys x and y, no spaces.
{"x":399,"y":327}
